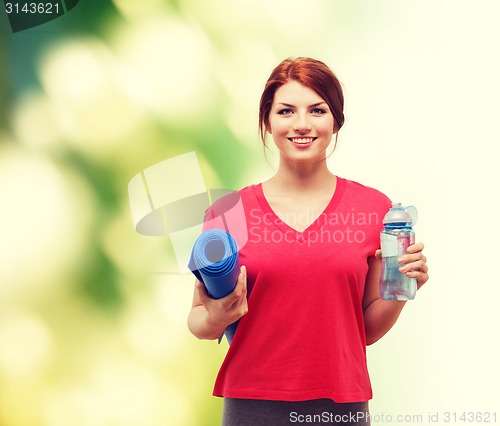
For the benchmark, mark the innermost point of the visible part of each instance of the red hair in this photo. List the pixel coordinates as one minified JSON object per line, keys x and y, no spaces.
{"x":311,"y":73}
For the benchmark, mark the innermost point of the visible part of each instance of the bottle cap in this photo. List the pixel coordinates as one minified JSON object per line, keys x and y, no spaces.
{"x":406,"y":216}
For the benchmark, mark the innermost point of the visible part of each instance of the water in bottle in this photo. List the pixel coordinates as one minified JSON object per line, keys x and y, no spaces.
{"x":395,"y":239}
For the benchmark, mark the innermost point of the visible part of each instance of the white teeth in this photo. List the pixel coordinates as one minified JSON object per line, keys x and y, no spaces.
{"x":302,"y":140}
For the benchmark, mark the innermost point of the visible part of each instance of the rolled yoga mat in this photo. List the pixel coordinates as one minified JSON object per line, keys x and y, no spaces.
{"x":214,"y":261}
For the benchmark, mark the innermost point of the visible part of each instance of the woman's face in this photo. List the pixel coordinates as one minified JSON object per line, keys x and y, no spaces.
{"x":301,"y":123}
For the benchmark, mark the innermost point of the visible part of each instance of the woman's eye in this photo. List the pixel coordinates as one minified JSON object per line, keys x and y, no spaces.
{"x":285,"y":111}
{"x":318,"y":111}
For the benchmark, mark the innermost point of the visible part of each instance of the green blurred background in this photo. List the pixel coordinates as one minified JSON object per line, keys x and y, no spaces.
{"x":92,"y":330}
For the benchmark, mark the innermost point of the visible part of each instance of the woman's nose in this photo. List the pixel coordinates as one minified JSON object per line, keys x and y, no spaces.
{"x":301,"y":124}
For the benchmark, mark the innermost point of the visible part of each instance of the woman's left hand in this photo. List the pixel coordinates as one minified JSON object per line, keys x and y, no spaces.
{"x":413,"y":264}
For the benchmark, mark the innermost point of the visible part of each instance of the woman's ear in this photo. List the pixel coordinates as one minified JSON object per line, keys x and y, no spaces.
{"x":268,"y":129}
{"x":335,"y":127}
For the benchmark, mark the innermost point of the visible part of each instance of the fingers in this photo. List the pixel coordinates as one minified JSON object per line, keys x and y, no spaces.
{"x":238,"y":301}
{"x":229,"y":308}
{"x":238,"y":292}
{"x":414,"y":248}
{"x":378,"y":254}
{"x":421,"y":277}
{"x":411,"y":263}
{"x":241,"y":284}
{"x":414,"y":254}
{"x":414,"y":264}
{"x":241,"y":306}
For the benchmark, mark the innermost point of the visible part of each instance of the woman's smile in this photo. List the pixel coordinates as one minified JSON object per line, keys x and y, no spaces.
{"x":302,"y":142}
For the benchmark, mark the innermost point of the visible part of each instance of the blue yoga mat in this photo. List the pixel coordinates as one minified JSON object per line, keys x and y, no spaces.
{"x":214,"y":261}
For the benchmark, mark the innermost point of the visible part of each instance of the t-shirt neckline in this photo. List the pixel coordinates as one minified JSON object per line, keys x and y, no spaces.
{"x":316,"y":224}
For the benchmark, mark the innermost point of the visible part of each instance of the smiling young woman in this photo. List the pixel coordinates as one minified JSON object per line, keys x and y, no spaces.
{"x":307,"y":296}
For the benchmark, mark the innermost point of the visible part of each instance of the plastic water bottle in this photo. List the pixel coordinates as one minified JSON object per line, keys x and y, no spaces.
{"x":395,"y":238}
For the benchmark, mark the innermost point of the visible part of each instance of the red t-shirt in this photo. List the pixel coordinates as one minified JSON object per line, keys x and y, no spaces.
{"x":303,"y":337}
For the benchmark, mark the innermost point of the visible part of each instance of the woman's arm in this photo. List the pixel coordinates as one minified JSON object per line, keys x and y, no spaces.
{"x":380,"y":315}
{"x":209,"y":317}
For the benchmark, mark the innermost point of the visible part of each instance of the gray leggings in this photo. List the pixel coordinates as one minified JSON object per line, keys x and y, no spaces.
{"x":253,"y":412}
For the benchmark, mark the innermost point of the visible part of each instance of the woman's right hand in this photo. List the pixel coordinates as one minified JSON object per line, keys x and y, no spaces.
{"x":225,"y":311}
